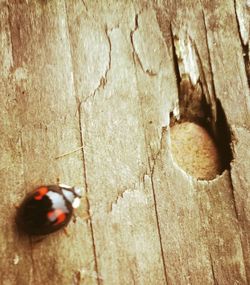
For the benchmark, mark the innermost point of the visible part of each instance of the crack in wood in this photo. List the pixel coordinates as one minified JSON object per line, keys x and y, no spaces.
{"x":175,"y":61}
{"x":132,"y":192}
{"x":136,"y":57}
{"x":156,"y":209}
{"x":212,"y":270}
{"x":149,"y":158}
{"x":104,"y":79}
{"x":210,"y":98}
{"x":151,"y":167}
{"x":233,"y":196}
{"x":119,"y":197}
{"x":245,"y":47}
{"x":109,"y":55}
{"x":209,"y":56}
{"x":132,"y":41}
{"x":86,"y":189}
{"x":83,"y":154}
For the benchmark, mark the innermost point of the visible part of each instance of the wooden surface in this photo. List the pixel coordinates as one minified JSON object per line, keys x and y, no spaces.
{"x":113,"y":76}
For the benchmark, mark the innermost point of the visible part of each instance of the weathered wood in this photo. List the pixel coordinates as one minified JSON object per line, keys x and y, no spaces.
{"x":113,"y":77}
{"x":39,"y":121}
{"x":119,"y":183}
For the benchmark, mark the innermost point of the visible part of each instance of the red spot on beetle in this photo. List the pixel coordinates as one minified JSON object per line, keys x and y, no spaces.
{"x":57,"y":216}
{"x":40,"y":193}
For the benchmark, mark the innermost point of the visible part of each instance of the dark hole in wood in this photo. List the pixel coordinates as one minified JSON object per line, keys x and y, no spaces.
{"x":175,"y":61}
{"x":223,"y":137}
{"x":172,"y":119}
{"x":194,"y":108}
{"x":246,"y":61}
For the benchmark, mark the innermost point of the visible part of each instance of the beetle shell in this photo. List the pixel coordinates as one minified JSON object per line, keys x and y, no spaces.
{"x":47,"y":209}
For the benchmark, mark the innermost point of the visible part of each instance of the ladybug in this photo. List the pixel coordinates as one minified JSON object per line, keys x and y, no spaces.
{"x":47,"y":209}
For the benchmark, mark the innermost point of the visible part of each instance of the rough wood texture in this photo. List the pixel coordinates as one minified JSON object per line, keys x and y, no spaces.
{"x":111,"y":76}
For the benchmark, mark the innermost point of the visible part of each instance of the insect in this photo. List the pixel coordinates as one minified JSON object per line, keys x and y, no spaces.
{"x":47,"y":209}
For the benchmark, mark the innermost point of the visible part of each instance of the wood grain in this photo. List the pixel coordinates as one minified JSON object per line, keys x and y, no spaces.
{"x":105,"y":78}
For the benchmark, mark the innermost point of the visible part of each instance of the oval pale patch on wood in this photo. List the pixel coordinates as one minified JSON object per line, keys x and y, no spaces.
{"x":194,"y":151}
